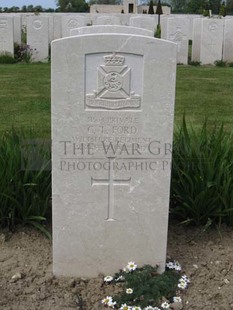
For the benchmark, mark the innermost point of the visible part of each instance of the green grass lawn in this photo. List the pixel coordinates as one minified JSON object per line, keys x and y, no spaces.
{"x":204,"y":92}
{"x":25,"y":96}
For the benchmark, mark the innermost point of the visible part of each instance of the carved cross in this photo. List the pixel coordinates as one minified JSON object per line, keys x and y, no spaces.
{"x":110,"y":182}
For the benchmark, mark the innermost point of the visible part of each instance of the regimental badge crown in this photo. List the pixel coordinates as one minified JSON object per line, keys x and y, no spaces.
{"x":114,"y":60}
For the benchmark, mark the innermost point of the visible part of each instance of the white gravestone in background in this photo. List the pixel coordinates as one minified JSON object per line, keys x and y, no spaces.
{"x":146,"y":22}
{"x":6,"y":35}
{"x":17,"y":28}
{"x":211,"y":40}
{"x":111,"y":29}
{"x":108,"y":20}
{"x":70,"y":22}
{"x":228,"y":41}
{"x":38,"y":37}
{"x":178,"y":32}
{"x":112,"y":128}
{"x":57,"y":31}
{"x":196,"y":44}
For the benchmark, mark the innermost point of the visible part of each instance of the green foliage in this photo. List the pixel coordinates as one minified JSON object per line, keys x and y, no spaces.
{"x":196,"y":6}
{"x":220,"y":63}
{"x":22,"y":52}
{"x":159,"y":10}
{"x":25,"y":186}
{"x":73,"y":6}
{"x":229,"y":7}
{"x":230,"y":64}
{"x":7,"y":58}
{"x":158,"y":32}
{"x":222,"y":11}
{"x":104,"y":2}
{"x":24,"y":35}
{"x":148,"y":286}
{"x":194,"y":63}
{"x":151,"y":7}
{"x":202,"y":175}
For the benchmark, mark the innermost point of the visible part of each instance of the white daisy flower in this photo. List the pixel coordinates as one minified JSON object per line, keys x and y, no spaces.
{"x":182,"y":285}
{"x":136,"y":308}
{"x":106,"y":300}
{"x":125,"y":307}
{"x":170,"y":265}
{"x":149,"y":308}
{"x":112,"y":304}
{"x":129,"y":291}
{"x":156,"y":308}
{"x":131,"y":266}
{"x":184,"y":277}
{"x":177,"y":299}
{"x":108,"y":279}
{"x":165,"y":305}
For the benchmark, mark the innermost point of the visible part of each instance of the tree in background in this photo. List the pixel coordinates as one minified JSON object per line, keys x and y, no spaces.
{"x":215,"y":6}
{"x":151,"y":7}
{"x":105,"y":2}
{"x":222,"y":11}
{"x":179,"y":6}
{"x":229,"y":7}
{"x":72,"y":6}
{"x":196,"y":6}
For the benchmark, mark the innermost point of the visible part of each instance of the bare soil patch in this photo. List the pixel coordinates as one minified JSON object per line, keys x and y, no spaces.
{"x":206,"y":258}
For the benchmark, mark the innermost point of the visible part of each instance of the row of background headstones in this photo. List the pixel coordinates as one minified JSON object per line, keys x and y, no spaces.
{"x":212,"y":38}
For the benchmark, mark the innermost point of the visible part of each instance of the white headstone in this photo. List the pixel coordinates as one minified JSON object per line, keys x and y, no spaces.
{"x":70,"y":22}
{"x":228,"y":41}
{"x":196,"y":42}
{"x":6,"y":35}
{"x":163,"y":25}
{"x":17,"y":28}
{"x":112,"y":119}
{"x":111,"y":29}
{"x":108,"y":20}
{"x":51,"y":28}
{"x":211,"y":40}
{"x":146,"y":22}
{"x":57,"y":32}
{"x":38,"y":37}
{"x":178,"y":32}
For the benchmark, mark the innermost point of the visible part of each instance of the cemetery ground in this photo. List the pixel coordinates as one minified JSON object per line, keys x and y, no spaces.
{"x":205,"y":253}
{"x":206,"y":257}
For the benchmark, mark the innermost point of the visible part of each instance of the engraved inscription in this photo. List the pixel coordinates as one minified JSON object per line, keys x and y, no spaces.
{"x":37,"y":24}
{"x":212,"y":46}
{"x":178,"y":37}
{"x":110,"y":182}
{"x":73,"y":23}
{"x":113,"y":86}
{"x":213,"y":26}
{"x":3,"y":24}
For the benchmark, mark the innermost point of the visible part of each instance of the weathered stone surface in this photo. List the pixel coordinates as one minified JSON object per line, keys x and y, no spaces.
{"x":6,"y":35}
{"x":111,"y":29}
{"x":38,"y":37}
{"x":112,"y":126}
{"x":228,"y":41}
{"x":146,"y":22}
{"x":196,"y":44}
{"x":211,"y":40}
{"x":70,"y":22}
{"x":177,"y":31}
{"x":108,"y":20}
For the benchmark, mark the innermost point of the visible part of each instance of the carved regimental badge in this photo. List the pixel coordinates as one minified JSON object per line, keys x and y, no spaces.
{"x":113,"y":86}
